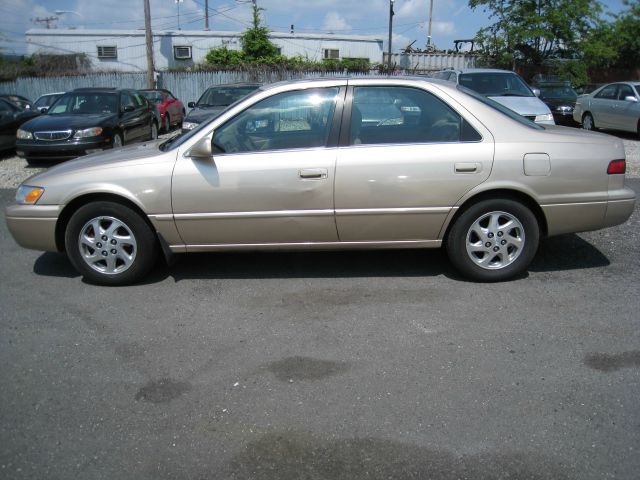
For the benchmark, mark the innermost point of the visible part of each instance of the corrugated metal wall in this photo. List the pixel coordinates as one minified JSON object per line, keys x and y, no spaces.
{"x":431,"y":61}
{"x":187,"y":86}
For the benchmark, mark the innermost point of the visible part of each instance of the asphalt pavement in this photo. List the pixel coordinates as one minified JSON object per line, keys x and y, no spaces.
{"x":357,"y":365}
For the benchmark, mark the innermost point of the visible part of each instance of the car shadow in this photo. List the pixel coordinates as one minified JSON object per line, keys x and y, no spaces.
{"x":565,"y":252}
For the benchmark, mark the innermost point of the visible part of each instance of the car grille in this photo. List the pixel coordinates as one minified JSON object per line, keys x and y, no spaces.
{"x":54,"y":135}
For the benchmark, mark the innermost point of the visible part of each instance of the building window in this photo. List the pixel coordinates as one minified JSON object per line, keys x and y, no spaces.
{"x":107,"y":52}
{"x":331,"y":53}
{"x":182,"y":52}
{"x":279,"y":50}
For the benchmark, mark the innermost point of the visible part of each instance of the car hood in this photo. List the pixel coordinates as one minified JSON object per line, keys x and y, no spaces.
{"x":66,"y":122}
{"x":523,"y":105}
{"x":201,"y":114}
{"x":139,"y":153}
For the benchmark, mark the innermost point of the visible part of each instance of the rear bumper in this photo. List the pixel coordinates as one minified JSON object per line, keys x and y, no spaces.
{"x":33,"y":226}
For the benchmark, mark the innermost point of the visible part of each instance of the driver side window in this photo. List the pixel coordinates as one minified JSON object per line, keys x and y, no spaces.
{"x":290,"y":120}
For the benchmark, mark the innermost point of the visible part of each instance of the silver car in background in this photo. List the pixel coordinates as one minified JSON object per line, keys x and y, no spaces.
{"x":332,"y":164}
{"x":503,"y":86}
{"x":615,"y":106}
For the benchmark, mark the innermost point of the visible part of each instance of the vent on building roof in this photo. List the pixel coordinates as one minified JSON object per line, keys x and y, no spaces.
{"x":107,"y":52}
{"x":182,"y":52}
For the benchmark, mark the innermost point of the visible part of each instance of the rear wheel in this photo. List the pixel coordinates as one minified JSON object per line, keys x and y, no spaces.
{"x":493,"y":240}
{"x":167,"y":123}
{"x":110,"y":244}
{"x":587,"y":122}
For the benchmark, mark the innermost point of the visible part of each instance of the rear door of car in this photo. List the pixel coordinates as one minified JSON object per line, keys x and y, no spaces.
{"x":8,"y":125}
{"x":398,"y":179}
{"x":603,"y":106}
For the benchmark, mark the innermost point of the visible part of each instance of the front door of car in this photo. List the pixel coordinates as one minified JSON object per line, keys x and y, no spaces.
{"x":407,"y":158}
{"x":270,"y":179}
{"x":625,"y":113}
{"x":129,"y":117}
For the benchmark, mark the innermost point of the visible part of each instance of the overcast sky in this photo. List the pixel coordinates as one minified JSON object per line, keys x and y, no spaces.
{"x":452,"y":19}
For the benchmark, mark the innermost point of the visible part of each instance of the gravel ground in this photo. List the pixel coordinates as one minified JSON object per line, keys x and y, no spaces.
{"x":14,"y":170}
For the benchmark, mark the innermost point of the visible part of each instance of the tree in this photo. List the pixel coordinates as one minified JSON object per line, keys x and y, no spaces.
{"x":626,"y":35}
{"x":530,"y":32}
{"x":255,"y":41}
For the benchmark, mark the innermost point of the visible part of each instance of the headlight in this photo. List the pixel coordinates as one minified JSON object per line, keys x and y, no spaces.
{"x":24,"y":135}
{"x":189,"y":125}
{"x":547,"y":117}
{"x":28,"y":195}
{"x":88,"y":132}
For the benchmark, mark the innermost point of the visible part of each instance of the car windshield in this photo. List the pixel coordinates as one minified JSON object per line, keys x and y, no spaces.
{"x":153,"y":96}
{"x":496,"y":84}
{"x":558,"y":91}
{"x":501,"y":108}
{"x":45,"y":101}
{"x":224,"y":96}
{"x":83,"y":103}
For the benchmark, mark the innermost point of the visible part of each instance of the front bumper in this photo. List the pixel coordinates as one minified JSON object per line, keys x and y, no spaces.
{"x":63,"y":150}
{"x":33,"y":226}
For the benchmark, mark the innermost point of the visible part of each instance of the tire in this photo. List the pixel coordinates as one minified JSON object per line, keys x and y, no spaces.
{"x":167,"y":123}
{"x":117,"y":141}
{"x":132,"y":245}
{"x":493,"y":240}
{"x":588,"y":123}
{"x":154,"y":131}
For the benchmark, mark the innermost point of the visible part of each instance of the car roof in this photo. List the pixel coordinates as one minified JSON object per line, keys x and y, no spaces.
{"x":230,"y":85}
{"x":100,"y":89}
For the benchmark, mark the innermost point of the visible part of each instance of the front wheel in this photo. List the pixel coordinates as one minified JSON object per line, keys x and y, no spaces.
{"x":117,"y":141}
{"x":587,"y":122}
{"x":493,"y":240}
{"x":154,"y":131}
{"x":110,"y":244}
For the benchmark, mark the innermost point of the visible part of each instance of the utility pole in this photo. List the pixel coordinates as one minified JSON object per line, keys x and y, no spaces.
{"x":149,"y":41}
{"x":48,"y":21}
{"x":206,"y":14}
{"x":430,"y":17}
{"x":390,"y":30}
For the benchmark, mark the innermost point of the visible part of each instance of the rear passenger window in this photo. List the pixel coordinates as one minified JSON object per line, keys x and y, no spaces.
{"x":399,"y":115}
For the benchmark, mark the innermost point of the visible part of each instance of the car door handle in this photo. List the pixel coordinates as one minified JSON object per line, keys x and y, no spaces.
{"x":467,"y":167}
{"x":313,"y":173}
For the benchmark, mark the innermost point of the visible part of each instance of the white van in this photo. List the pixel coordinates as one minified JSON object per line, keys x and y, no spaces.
{"x":503,"y":86}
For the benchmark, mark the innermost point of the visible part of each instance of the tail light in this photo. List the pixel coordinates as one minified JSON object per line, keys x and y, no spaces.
{"x":617,"y":166}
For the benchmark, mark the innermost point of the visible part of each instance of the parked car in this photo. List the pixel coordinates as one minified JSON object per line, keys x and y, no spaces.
{"x":293,"y":166}
{"x":213,"y":101}
{"x":171,"y":110}
{"x":22,"y":102}
{"x":46,"y":100}
{"x":503,"y":86}
{"x":87,"y":120}
{"x":11,"y":117}
{"x":560,"y":97}
{"x":615,"y":106}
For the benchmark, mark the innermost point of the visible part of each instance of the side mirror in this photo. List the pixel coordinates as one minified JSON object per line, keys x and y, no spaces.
{"x":631,"y":99}
{"x":191,"y":104}
{"x":536,"y":91}
{"x":202,"y":148}
{"x":129,"y":108}
{"x":44,"y":109}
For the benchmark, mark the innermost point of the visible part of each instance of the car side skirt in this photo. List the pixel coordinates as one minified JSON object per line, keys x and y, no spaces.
{"x":308,"y":246}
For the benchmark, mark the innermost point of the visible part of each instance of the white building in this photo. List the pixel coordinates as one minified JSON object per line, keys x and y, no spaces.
{"x":125,"y":50}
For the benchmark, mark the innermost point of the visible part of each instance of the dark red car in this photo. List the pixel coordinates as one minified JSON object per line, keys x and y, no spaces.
{"x":170,"y":109}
